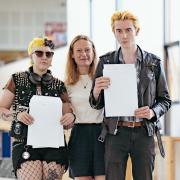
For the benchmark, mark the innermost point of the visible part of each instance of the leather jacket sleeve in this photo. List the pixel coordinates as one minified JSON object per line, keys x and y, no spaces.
{"x":100,"y":102}
{"x":162,"y":101}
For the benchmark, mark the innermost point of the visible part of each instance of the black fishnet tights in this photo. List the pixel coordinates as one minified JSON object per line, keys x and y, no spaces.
{"x":40,"y":170}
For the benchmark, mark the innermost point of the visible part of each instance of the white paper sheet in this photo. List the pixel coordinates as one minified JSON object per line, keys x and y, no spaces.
{"x":46,"y":131}
{"x":121,"y":97}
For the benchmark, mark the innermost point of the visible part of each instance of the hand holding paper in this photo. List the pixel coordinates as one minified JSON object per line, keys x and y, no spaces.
{"x":101,"y":83}
{"x":144,"y":112}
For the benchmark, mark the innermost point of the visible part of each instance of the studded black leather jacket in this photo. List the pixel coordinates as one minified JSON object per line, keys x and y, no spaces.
{"x":24,"y":90}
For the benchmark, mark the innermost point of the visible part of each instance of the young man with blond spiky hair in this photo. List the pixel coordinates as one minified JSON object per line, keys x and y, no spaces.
{"x":132,"y":135}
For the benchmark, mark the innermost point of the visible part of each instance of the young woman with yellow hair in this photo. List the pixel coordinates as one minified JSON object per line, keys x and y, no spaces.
{"x":28,"y":162}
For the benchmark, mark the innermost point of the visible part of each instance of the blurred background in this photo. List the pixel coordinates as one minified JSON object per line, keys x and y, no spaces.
{"x":21,"y":20}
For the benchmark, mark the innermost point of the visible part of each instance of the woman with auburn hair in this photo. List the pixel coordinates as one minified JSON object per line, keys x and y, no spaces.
{"x":86,"y":153}
{"x":28,"y":162}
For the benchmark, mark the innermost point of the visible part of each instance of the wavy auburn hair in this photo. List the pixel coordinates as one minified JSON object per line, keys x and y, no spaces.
{"x":72,"y":74}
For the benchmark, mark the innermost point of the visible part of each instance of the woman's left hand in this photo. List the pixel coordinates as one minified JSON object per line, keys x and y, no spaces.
{"x":67,"y":119}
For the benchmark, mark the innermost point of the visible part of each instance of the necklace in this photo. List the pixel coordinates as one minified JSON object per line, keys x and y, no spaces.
{"x":85,"y":85}
{"x":84,"y":82}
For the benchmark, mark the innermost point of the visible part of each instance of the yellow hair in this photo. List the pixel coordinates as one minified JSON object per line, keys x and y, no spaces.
{"x":36,"y":42}
{"x":125,"y":15}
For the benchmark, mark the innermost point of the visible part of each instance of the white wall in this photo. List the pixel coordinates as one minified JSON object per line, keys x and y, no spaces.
{"x":102,"y":35}
{"x":174,"y":14}
{"x":174,"y":35}
{"x":150,"y":15}
{"x":7,"y":70}
{"x":78,"y":18}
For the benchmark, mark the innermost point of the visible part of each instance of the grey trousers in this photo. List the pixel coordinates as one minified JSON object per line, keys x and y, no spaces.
{"x":132,"y":142}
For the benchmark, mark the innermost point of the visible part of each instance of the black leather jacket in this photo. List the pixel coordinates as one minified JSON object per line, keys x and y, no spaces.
{"x":152,"y":90}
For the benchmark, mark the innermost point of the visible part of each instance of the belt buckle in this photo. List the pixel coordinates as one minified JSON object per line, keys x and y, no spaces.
{"x":131,"y":124}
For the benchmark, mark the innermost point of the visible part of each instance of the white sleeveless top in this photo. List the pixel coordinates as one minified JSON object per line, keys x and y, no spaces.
{"x":79,"y":97}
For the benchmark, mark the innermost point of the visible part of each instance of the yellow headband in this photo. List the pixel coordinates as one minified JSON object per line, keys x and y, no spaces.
{"x":36,"y":42}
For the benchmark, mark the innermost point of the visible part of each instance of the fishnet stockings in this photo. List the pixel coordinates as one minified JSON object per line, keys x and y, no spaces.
{"x":30,"y":170}
{"x":40,"y":170}
{"x":52,"y":171}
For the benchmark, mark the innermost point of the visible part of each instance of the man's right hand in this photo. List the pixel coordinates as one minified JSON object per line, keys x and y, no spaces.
{"x":101,"y":83}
